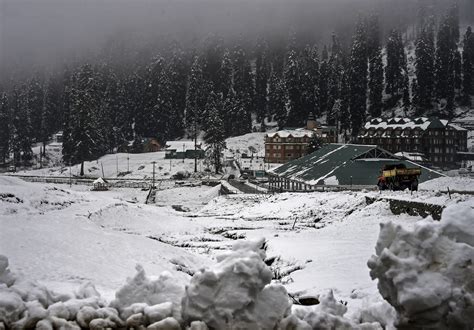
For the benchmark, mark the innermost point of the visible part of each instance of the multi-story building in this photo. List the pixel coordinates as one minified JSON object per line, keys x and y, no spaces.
{"x":289,"y":144}
{"x":285,"y":145}
{"x":438,"y":140}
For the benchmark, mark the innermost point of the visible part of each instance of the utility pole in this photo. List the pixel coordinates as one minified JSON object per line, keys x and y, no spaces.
{"x":116,"y":163}
{"x":128,"y":163}
{"x":153,"y":183}
{"x":184,"y":152}
{"x":70,"y":175}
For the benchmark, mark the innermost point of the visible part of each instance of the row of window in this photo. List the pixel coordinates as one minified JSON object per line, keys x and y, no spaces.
{"x":283,"y":140}
{"x":279,"y":147}
{"x":278,"y":155}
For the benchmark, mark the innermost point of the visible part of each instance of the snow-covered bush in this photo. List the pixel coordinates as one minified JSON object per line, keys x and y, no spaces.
{"x":427,"y":274}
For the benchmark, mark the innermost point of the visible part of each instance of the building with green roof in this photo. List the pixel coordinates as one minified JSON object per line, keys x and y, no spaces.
{"x":343,"y":165}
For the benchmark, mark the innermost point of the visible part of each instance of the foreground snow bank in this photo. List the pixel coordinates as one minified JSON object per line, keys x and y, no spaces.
{"x":235,"y":293}
{"x":427,"y":274}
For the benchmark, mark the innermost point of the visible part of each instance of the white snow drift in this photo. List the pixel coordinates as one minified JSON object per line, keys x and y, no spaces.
{"x":233,"y":294}
{"x":427,"y":274}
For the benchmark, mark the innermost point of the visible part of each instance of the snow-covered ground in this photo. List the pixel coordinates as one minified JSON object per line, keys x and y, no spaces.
{"x":453,"y":183}
{"x":133,"y":166}
{"x":248,"y":144}
{"x":140,"y":166}
{"x":321,"y":241}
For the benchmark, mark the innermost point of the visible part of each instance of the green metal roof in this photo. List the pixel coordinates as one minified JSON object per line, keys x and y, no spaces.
{"x":345,"y":164}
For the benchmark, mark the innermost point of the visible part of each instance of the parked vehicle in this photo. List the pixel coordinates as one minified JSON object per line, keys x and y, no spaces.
{"x":399,"y":177}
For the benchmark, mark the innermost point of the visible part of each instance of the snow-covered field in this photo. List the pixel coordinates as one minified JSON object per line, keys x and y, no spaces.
{"x":139,"y":166}
{"x":133,"y":166}
{"x":320,"y":241}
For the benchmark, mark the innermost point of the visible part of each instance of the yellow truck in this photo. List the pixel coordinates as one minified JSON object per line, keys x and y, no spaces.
{"x":399,"y":177}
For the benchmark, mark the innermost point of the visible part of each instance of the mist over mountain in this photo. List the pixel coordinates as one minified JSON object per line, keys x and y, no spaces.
{"x":38,"y":35}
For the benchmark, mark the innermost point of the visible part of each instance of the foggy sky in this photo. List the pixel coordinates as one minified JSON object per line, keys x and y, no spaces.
{"x":40,"y":33}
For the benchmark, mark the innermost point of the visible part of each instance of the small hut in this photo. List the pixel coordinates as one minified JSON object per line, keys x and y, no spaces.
{"x":100,"y":185}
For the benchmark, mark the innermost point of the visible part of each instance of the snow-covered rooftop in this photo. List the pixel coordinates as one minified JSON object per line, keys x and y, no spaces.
{"x":399,"y":122}
{"x":298,"y":132}
{"x":403,"y":123}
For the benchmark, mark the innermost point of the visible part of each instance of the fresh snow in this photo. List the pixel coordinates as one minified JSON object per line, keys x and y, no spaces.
{"x":320,"y":242}
{"x":451,"y":183}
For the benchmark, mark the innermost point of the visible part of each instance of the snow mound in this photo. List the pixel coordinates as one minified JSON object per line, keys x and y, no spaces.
{"x":143,"y":291}
{"x":18,"y":196}
{"x":328,"y":314}
{"x":427,"y":274}
{"x":235,"y":293}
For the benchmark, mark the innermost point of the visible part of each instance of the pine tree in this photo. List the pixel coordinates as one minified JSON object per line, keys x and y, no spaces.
{"x":195,"y":98}
{"x":375,"y":67}
{"x":277,"y":100}
{"x":468,"y":67}
{"x":111,"y":114}
{"x":168,"y":117}
{"x":336,"y":70}
{"x":35,"y":101}
{"x":84,"y":136}
{"x":244,"y":90}
{"x":323,"y":86}
{"x":153,"y":84}
{"x":103,"y":113}
{"x":68,"y":143}
{"x":445,"y":47}
{"x":229,"y":114}
{"x":457,"y":64}
{"x":296,"y":116}
{"x":224,"y":84}
{"x":444,"y":65}
{"x":212,"y":59}
{"x":21,"y":131}
{"x":5,"y":118}
{"x":406,"y":93}
{"x":262,"y":72}
{"x":123,"y":118}
{"x":177,"y":75}
{"x":424,"y":67}
{"x":135,"y":95}
{"x":52,"y":116}
{"x":215,"y":136}
{"x":358,"y":78}
{"x":343,"y":117}
{"x":396,"y":68}
{"x":309,"y":64}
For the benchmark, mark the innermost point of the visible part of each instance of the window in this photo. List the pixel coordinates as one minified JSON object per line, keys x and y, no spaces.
{"x":289,"y":147}
{"x":289,"y":155}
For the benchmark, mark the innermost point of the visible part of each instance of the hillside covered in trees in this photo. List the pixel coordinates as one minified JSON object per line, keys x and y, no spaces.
{"x":225,"y":87}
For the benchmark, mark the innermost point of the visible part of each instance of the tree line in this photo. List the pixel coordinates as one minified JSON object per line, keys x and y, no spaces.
{"x":224,"y":90}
